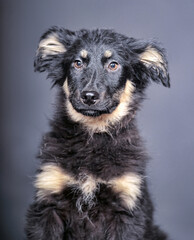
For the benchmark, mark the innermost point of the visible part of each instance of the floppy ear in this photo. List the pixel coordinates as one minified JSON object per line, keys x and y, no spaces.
{"x":52,"y":46}
{"x":153,"y":62}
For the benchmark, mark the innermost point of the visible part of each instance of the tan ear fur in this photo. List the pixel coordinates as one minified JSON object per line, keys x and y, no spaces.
{"x":50,"y":46}
{"x":152,"y":57}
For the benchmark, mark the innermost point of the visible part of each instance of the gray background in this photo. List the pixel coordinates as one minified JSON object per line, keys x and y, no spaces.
{"x":166,"y":120}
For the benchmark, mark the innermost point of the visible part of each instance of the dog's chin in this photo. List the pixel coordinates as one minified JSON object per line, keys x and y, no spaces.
{"x":91,"y":113}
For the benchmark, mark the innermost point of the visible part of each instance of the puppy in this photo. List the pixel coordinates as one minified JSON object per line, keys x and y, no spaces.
{"x":91,"y":182}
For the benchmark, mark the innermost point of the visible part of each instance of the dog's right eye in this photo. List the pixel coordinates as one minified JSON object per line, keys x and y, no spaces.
{"x":78,"y":64}
{"x":113,"y":66}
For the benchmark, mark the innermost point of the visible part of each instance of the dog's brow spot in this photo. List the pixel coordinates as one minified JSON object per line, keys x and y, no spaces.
{"x":84,"y":53}
{"x":107,"y":53}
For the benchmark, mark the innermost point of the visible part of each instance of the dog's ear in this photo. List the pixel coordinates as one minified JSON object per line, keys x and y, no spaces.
{"x":52,"y":46}
{"x":152,"y":62}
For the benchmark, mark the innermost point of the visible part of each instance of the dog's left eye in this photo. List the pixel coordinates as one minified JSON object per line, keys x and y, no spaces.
{"x":113,"y":66}
{"x":78,"y":64}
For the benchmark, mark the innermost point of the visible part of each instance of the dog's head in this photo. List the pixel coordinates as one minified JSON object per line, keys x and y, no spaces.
{"x":100,"y":71}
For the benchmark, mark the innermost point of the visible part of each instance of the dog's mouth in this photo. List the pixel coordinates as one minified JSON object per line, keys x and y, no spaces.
{"x":94,"y":111}
{"x":91,"y":112}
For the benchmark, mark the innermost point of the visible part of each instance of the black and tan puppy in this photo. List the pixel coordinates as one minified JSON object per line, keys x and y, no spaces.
{"x":91,"y":183}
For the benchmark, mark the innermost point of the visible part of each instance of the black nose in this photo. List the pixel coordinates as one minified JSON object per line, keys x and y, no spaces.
{"x":89,"y":97}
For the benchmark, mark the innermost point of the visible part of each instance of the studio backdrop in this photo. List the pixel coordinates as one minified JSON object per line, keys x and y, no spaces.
{"x":165,"y":122}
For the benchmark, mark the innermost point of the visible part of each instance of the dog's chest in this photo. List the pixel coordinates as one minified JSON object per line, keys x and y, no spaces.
{"x":88,"y":190}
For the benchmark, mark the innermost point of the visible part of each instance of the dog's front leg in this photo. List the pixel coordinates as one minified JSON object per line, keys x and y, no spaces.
{"x":44,"y":222}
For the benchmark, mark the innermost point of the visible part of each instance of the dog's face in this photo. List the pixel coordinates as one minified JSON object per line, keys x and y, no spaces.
{"x":101,"y":72}
{"x":96,"y":77}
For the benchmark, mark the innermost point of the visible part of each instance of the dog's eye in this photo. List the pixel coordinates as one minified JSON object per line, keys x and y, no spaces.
{"x":78,"y":64}
{"x":113,"y":66}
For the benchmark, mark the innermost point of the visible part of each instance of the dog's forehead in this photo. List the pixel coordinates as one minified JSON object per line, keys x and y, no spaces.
{"x":102,"y":43}
{"x":100,"y":51}
{"x":93,"y":50}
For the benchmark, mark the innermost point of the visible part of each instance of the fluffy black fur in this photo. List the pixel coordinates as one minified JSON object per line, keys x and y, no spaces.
{"x":80,"y":151}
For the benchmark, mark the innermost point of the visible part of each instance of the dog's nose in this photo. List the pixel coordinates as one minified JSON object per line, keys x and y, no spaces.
{"x":89,"y":97}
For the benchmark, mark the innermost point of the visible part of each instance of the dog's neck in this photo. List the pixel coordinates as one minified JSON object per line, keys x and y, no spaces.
{"x":66,"y":125}
{"x":68,"y":138}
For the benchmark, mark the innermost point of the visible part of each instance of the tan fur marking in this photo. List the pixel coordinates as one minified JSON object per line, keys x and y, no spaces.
{"x":84,"y":53}
{"x":52,"y":180}
{"x":88,"y":186}
{"x":66,"y":88}
{"x":128,"y":186}
{"x":50,"y":46}
{"x":107,"y":53}
{"x":152,"y":57}
{"x":101,"y":123}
